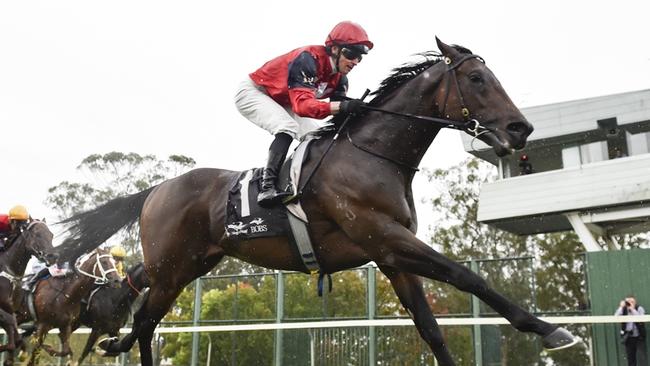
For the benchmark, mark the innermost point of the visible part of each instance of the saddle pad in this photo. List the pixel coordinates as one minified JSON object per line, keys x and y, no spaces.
{"x":290,"y":176}
{"x":245,"y":219}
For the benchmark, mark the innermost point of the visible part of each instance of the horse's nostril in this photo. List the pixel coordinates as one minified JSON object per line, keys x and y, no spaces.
{"x":520,"y":128}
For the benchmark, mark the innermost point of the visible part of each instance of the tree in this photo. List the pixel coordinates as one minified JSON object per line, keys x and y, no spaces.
{"x":109,"y":176}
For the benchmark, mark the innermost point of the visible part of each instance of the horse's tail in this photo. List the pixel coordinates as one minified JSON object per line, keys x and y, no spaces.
{"x":88,"y":230}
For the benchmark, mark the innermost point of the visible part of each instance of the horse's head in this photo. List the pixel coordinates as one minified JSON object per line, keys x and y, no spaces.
{"x":37,"y":239}
{"x":470,"y":91}
{"x":136,"y":278}
{"x":99,"y":265}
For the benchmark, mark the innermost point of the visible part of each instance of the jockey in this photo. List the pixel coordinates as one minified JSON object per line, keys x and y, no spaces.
{"x":5,"y":230}
{"x":40,"y":271}
{"x":12,"y":224}
{"x":283,"y":95}
{"x":119,"y":254}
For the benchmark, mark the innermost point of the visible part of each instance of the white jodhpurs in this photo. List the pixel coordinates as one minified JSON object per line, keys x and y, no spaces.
{"x":257,"y":106}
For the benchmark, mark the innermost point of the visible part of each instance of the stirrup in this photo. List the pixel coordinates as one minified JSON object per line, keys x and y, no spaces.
{"x":271,"y":198}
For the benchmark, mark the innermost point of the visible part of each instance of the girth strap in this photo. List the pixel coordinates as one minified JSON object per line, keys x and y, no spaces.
{"x":303,"y":242}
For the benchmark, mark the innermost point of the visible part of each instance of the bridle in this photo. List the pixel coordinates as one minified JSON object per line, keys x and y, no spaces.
{"x":470,"y":125}
{"x":131,"y":285}
{"x":98,"y":265}
{"x":39,"y":254}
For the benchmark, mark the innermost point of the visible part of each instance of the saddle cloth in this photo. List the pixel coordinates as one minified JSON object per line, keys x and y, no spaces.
{"x":245,"y":219}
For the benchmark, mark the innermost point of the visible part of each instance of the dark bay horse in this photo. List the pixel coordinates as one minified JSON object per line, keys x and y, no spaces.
{"x":359,"y":203}
{"x":108,"y":309}
{"x":57,"y":300}
{"x":35,"y":240}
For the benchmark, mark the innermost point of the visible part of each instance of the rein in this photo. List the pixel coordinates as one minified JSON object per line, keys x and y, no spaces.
{"x":470,"y":125}
{"x":130,"y":283}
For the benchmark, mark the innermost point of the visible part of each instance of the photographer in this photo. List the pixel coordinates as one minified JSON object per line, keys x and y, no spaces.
{"x":633,"y":334}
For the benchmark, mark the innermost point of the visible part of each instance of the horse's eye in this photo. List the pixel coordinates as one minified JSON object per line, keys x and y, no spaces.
{"x":475,"y":78}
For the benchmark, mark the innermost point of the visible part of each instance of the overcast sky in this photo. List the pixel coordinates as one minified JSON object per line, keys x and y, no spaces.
{"x":158,"y":77}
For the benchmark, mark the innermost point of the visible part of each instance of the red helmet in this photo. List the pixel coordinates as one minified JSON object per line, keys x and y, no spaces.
{"x":348,"y":33}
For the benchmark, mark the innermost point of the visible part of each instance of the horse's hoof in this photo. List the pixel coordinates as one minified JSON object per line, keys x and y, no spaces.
{"x":560,"y":338}
{"x":104,"y":347}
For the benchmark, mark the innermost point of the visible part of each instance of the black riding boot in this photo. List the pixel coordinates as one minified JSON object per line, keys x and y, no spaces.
{"x":270,"y":195}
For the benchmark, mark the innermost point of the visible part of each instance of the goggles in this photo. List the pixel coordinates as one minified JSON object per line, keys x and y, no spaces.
{"x":352,"y":54}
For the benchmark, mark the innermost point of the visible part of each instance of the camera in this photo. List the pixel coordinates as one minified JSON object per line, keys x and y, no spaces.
{"x":627,"y":303}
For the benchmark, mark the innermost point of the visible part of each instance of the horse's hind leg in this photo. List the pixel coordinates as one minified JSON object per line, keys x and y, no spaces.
{"x":408,"y":288}
{"x":157,"y":305}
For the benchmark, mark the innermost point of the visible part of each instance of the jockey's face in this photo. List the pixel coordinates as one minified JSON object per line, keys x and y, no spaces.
{"x":17,"y":225}
{"x":345,"y":65}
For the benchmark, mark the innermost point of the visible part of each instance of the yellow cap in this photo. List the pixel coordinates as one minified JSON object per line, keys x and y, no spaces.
{"x":118,"y":252}
{"x":18,"y":213}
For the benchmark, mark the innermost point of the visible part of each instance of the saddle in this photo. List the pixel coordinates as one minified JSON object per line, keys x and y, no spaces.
{"x":246,"y":220}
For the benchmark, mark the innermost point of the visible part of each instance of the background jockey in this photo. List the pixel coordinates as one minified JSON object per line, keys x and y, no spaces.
{"x":119,"y":254}
{"x":12,"y":224}
{"x":283,"y":95}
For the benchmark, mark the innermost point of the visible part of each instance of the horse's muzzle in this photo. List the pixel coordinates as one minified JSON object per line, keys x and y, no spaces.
{"x":518,"y":133}
{"x":115,"y":283}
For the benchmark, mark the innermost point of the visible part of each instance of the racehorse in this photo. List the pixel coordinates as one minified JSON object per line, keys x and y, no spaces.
{"x":57,"y":300}
{"x":108,"y":309}
{"x":35,"y":240}
{"x":359,"y":202}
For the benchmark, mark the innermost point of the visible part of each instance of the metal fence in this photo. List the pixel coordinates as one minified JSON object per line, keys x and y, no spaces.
{"x":358,"y":294}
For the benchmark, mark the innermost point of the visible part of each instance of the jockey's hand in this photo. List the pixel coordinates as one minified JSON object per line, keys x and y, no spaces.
{"x":352,"y":106}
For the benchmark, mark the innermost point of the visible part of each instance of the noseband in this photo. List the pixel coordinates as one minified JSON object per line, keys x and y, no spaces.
{"x":98,"y":265}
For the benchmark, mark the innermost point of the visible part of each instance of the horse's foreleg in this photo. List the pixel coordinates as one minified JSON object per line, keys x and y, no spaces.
{"x":8,"y":323}
{"x":90,"y":342}
{"x":112,"y":346}
{"x":403,"y":251}
{"x":408,"y":288}
{"x":37,"y":340}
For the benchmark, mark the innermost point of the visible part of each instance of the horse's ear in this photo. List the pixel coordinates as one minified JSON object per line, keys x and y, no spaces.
{"x":43,"y":219}
{"x":446,"y":49}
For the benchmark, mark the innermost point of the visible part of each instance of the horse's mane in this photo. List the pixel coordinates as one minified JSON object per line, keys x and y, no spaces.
{"x":398,"y":77}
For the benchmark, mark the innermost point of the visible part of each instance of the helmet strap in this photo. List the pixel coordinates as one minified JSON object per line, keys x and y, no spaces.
{"x":337,"y":59}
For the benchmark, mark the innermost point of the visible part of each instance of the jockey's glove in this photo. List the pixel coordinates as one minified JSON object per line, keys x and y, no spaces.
{"x":352,"y":106}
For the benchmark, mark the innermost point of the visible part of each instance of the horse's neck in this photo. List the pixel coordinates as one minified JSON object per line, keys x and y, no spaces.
{"x":15,"y":259}
{"x":402,"y":139}
{"x":126,"y":293}
{"x":77,"y":286}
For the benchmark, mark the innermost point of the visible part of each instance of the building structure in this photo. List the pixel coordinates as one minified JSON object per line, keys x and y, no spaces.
{"x":586,"y":167}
